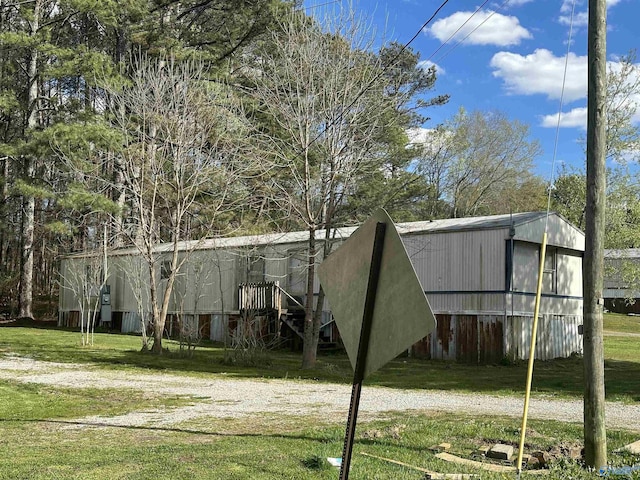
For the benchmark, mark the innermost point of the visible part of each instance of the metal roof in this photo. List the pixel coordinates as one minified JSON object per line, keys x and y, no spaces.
{"x":623,"y":253}
{"x":489,"y":222}
{"x":445,"y":225}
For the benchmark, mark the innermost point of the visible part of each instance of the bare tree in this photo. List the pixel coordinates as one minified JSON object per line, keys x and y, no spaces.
{"x":179,"y":167}
{"x":323,"y":92}
{"x":200,"y":281}
{"x":179,"y":164}
{"x":85,"y":279}
{"x":479,"y":160}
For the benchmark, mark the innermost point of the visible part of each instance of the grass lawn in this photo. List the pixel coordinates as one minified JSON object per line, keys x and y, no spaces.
{"x":559,"y":378}
{"x":40,"y":439}
{"x":236,"y":449}
{"x":617,"y":322}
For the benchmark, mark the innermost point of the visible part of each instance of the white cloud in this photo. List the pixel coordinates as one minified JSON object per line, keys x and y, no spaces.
{"x":541,"y":73}
{"x":517,"y":3}
{"x":626,"y":102}
{"x":580,"y":19}
{"x":426,"y":64}
{"x":576,"y":117}
{"x":497,"y":29}
{"x":568,"y":5}
{"x":419,"y":135}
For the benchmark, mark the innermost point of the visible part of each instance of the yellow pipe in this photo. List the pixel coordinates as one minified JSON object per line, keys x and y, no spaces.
{"x":532,"y":351}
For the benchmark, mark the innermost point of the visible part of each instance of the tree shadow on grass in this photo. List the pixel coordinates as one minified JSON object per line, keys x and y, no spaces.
{"x":563,"y":377}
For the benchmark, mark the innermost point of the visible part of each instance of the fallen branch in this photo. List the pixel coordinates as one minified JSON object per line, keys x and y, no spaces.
{"x":447,"y":457}
{"x":429,"y":474}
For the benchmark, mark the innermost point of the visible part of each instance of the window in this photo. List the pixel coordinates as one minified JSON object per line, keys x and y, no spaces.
{"x":297,"y":272}
{"x":165,"y":269}
{"x":549,"y":273}
{"x":252,"y":269}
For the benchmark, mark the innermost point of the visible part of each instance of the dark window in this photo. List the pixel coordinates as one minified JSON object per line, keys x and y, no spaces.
{"x":550,"y":273}
{"x":165,"y":269}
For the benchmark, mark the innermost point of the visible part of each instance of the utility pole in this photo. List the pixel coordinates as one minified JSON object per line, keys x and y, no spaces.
{"x":595,"y":435}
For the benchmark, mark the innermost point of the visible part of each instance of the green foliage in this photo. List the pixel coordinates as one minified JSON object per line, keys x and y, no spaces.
{"x":8,"y":102}
{"x":78,"y":198}
{"x":623,"y":133}
{"x":30,"y":190}
{"x":79,"y":141}
{"x":568,"y":196}
{"x":60,"y":228}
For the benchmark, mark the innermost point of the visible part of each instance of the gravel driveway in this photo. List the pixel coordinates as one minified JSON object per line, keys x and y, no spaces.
{"x":220,"y":397}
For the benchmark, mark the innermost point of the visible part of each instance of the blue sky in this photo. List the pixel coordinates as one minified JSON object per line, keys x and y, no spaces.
{"x":514,"y":62}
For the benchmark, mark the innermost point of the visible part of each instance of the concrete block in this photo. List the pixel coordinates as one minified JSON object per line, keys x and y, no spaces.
{"x":632,"y":447}
{"x":543,"y":458}
{"x":443,"y":447}
{"x":501,"y":451}
{"x":483,"y":450}
{"x":576,"y":453}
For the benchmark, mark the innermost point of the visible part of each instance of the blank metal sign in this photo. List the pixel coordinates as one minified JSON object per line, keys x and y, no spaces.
{"x":402,"y":314}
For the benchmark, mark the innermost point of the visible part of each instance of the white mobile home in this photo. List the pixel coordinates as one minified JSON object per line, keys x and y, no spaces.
{"x":479,"y":275}
{"x":620,"y":295}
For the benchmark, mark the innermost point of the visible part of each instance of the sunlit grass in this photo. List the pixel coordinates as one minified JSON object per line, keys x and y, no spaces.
{"x":618,"y":322}
{"x":265,"y":449}
{"x":561,"y":377}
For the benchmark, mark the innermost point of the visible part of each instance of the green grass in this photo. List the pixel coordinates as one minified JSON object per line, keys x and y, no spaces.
{"x":30,"y":401}
{"x":562,"y":377}
{"x":41,"y":438}
{"x":617,"y":322}
{"x":239,"y":450}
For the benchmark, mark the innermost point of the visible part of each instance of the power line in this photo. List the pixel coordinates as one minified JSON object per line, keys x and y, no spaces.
{"x":564,"y":81}
{"x":318,"y":5}
{"x":459,"y":28}
{"x":444,"y":55}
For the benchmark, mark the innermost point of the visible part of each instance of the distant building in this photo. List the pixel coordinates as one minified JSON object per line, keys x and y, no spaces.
{"x":619,"y":295}
{"x":479,"y":274}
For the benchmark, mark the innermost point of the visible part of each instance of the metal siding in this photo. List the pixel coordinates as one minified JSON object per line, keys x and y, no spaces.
{"x":467,"y":338}
{"x":462,"y":263}
{"x":559,"y":233}
{"x":525,"y":267}
{"x":459,"y":261}
{"x":464,"y":338}
{"x":131,"y":323}
{"x":466,"y":302}
{"x":218,"y":327}
{"x":557,"y":336}
{"x":443,"y":342}
{"x":569,"y":273}
{"x":524,"y":304}
{"x":491,"y":335}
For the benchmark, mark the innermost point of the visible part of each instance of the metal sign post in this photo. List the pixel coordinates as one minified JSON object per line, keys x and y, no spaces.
{"x":363,"y":348}
{"x":378,"y":304}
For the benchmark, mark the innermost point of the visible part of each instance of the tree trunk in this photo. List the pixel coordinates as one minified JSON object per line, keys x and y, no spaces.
{"x":309,"y":348}
{"x":120,"y":199}
{"x":158,"y":322}
{"x":28,"y":200}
